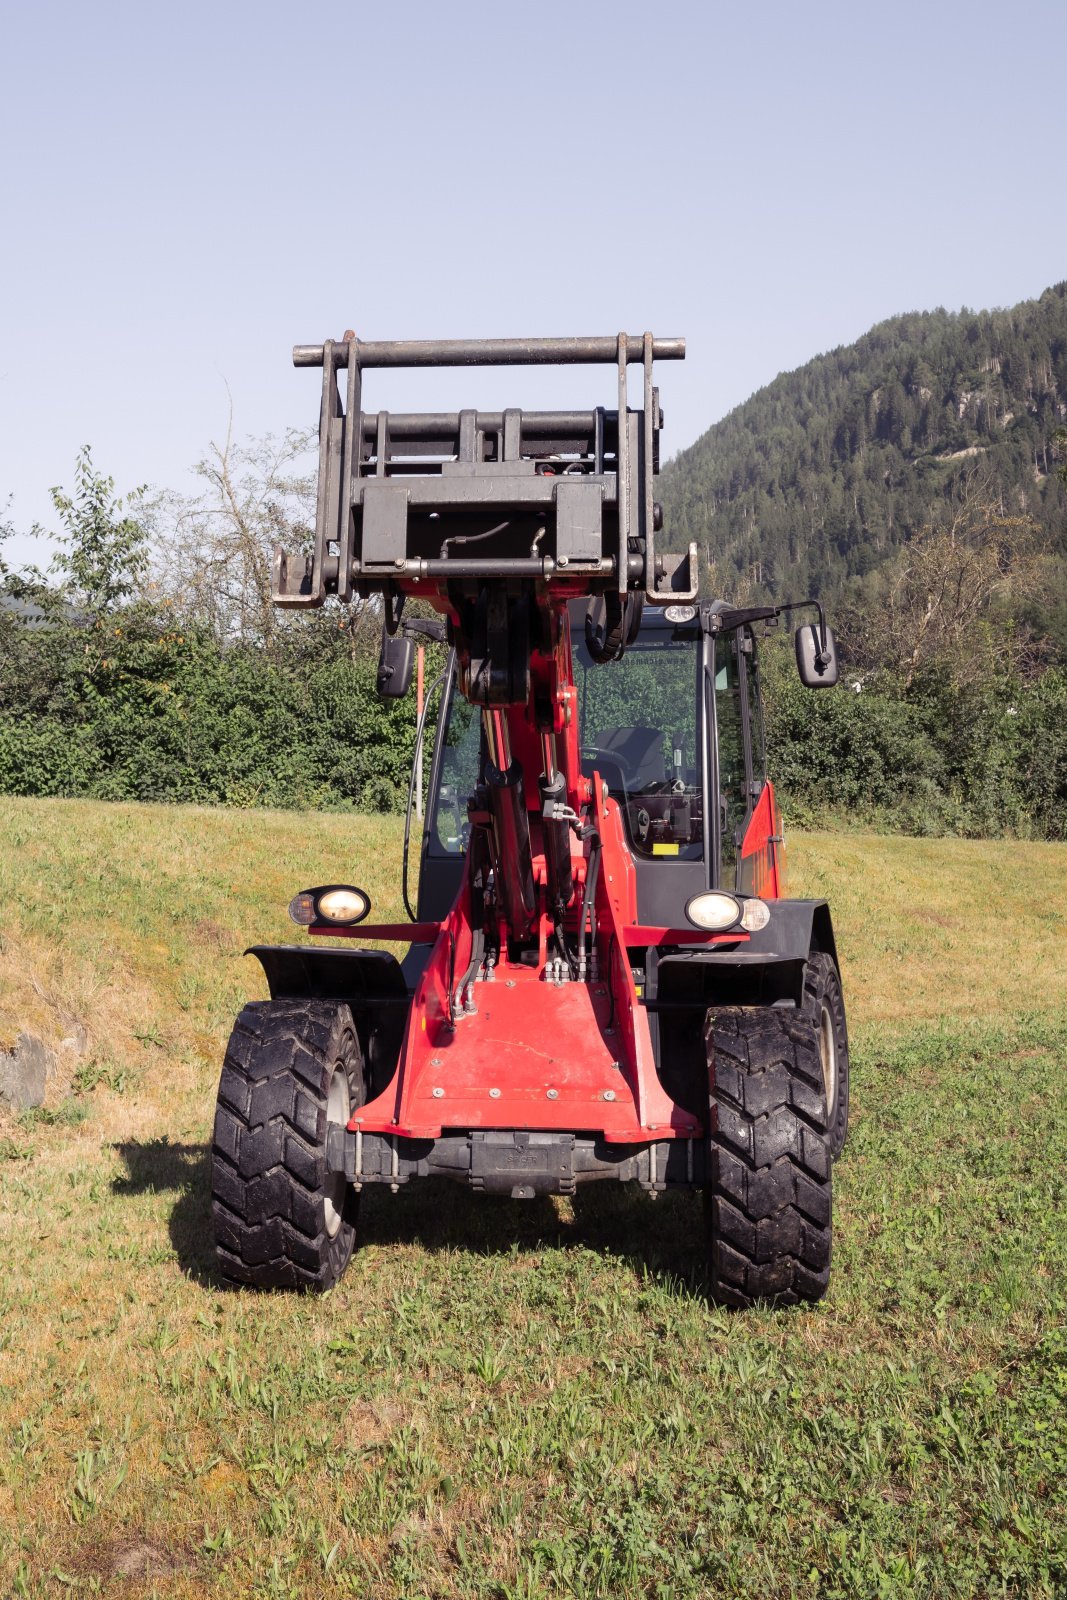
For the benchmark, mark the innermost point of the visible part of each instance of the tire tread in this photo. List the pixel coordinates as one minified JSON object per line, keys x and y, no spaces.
{"x":768,"y":1192}
{"x":268,"y":1175}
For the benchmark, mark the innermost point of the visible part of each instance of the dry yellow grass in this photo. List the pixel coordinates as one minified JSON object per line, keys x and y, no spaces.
{"x":931,"y":928}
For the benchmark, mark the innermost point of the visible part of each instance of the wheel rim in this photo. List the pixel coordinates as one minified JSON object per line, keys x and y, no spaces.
{"x":828,"y":1059}
{"x":338,"y":1109}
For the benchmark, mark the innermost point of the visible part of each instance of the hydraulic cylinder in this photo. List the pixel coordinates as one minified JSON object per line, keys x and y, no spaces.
{"x":511,"y":842}
{"x":557,"y":837}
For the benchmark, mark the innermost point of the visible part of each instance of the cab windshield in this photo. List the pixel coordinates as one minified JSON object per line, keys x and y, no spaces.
{"x":639,"y":730}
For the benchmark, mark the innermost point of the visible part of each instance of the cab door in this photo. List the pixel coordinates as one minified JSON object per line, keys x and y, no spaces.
{"x":749,"y":821}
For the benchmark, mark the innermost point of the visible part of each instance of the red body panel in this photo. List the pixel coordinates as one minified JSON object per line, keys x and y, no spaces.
{"x":535,"y":1055}
{"x":761,"y":860}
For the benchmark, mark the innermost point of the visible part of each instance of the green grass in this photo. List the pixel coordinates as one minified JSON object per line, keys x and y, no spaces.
{"x":526,"y":1399}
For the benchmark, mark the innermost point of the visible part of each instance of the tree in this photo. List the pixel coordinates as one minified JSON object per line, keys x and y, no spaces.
{"x":951,"y":594}
{"x":7,"y":531}
{"x":1060,"y":447}
{"x":103,"y":556}
{"x":214,"y":551}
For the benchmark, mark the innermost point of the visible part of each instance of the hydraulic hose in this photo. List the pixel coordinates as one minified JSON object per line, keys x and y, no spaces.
{"x":511,"y":836}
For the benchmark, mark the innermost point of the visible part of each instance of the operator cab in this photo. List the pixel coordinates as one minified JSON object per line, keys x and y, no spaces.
{"x":677,"y":716}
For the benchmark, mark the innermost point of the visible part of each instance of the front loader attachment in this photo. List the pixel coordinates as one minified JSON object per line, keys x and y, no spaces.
{"x":410,"y":503}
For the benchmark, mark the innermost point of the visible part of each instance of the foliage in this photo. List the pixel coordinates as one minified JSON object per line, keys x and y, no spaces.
{"x":103,"y":554}
{"x":986,"y":757}
{"x":945,"y":600}
{"x":192,"y":688}
{"x":135,"y":707}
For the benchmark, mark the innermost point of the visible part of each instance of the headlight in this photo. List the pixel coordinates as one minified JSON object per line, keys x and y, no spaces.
{"x":339,"y":903}
{"x":756,"y":915}
{"x":342,"y":904}
{"x":714,"y":910}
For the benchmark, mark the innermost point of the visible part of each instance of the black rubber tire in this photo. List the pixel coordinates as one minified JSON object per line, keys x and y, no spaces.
{"x":767,"y":1196}
{"x":824,"y":1004}
{"x":271,"y":1191}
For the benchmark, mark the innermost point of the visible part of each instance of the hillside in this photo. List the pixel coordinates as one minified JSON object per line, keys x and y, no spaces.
{"x":819,"y":476}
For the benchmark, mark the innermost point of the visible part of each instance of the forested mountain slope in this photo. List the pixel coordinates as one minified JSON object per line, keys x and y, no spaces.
{"x":821,"y":475}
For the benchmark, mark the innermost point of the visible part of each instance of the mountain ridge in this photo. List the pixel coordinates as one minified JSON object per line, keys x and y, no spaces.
{"x":821,"y":475}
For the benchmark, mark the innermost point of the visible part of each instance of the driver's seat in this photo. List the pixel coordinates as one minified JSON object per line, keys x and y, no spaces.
{"x":638,"y":752}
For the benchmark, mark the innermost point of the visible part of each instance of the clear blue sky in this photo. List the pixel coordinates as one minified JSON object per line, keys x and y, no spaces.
{"x":186,"y":191}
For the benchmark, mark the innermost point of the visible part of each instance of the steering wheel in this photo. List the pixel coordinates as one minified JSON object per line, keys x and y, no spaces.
{"x":590,"y":752}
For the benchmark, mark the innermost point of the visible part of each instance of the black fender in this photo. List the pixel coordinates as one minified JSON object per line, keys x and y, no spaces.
{"x":768,"y":970}
{"x":796,"y":928}
{"x":372,"y":982}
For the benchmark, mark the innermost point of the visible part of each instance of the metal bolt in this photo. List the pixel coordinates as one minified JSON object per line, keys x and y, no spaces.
{"x":438,"y":1092}
{"x":609,"y":1030}
{"x":509,"y":983}
{"x":609,"y":1094}
{"x":553,"y":1094}
{"x":494,"y":1094}
{"x":600,"y":991}
{"x":617,"y":1067}
{"x":435,"y":1061}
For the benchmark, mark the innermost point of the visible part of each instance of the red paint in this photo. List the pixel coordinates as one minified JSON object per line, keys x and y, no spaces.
{"x":760,"y":862}
{"x":573,"y":1057}
{"x":400,"y":932}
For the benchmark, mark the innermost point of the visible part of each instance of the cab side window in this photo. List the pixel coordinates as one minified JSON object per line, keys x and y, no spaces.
{"x":733,"y":776}
{"x":755,"y":715}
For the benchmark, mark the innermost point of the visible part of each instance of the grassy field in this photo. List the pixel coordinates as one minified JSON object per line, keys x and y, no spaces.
{"x":525,"y":1399}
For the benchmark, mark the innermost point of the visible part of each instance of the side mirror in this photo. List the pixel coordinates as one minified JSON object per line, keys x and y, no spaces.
{"x":394,"y":666}
{"x":817,"y":665}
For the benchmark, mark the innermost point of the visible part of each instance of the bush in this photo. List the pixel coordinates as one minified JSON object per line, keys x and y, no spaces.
{"x":133,"y":708}
{"x":138,"y":710}
{"x":989,"y":760}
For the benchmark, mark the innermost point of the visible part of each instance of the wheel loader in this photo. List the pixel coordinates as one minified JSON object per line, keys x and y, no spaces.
{"x":602,"y":979}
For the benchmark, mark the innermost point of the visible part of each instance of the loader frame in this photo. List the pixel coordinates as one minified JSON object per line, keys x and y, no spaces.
{"x":563,"y":1010}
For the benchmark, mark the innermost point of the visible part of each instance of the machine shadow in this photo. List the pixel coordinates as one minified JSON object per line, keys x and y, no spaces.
{"x":662,"y":1238}
{"x":155,"y":1166}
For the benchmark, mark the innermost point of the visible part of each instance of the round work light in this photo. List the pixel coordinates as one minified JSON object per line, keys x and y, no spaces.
{"x":714,"y":910}
{"x":339,"y":903}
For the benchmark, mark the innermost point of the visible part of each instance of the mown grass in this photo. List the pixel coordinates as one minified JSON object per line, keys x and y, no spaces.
{"x":509,"y":1399}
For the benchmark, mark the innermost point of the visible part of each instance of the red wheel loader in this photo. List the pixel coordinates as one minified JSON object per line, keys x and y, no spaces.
{"x":601,"y":979}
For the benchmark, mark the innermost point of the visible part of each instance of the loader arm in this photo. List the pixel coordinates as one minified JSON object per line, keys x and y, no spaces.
{"x":501,"y":521}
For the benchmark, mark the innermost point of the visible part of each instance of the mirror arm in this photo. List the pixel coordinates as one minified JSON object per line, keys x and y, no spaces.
{"x":798,"y":605}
